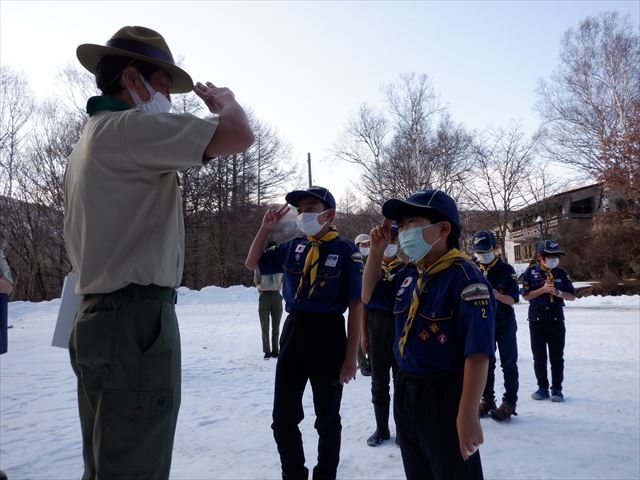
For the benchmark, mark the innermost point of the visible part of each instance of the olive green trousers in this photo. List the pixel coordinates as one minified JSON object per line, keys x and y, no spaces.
{"x":125,"y":352}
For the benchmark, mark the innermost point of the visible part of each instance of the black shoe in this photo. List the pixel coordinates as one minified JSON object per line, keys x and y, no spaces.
{"x":377,"y":438}
{"x":3,"y":476}
{"x":274,"y":354}
{"x":365,"y":370}
{"x":267,"y":355}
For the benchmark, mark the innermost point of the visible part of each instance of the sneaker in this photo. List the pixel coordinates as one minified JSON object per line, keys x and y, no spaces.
{"x":377,"y":438}
{"x":503,"y":412}
{"x":486,"y":405}
{"x":556,"y":396}
{"x":274,"y":354}
{"x":540,"y":394}
{"x":365,"y":371}
{"x":267,"y":355}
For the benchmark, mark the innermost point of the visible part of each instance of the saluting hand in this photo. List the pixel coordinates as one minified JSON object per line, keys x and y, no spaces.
{"x":380,"y":237}
{"x":272,"y":217}
{"x":214,"y":97}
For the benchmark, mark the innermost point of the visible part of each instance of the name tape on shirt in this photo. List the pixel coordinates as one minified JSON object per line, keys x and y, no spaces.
{"x":300,"y":248}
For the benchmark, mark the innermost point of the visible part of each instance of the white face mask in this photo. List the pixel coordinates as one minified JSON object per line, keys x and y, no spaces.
{"x":485,"y":258}
{"x":364,"y":251}
{"x":308,"y":223}
{"x":552,"y":262}
{"x":391,"y":250}
{"x":158,"y":103}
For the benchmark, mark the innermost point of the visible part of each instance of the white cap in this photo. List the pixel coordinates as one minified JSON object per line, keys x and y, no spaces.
{"x":363,"y":237}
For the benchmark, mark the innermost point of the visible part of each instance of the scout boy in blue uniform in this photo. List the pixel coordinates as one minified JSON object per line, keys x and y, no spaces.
{"x":503,"y":279}
{"x":377,"y":338}
{"x":546,"y":286}
{"x":444,"y":310}
{"x":322,"y":278}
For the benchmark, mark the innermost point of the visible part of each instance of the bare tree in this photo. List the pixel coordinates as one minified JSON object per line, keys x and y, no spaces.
{"x":502,"y":172}
{"x":415,"y":146}
{"x":589,"y":103}
{"x":16,"y":107}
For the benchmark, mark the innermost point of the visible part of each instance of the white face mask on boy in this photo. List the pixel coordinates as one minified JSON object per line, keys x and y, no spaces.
{"x":308,"y":223}
{"x":158,"y":103}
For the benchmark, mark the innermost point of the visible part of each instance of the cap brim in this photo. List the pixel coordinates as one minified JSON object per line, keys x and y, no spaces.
{"x":293,"y":198}
{"x":90,"y":54}
{"x":396,"y":209}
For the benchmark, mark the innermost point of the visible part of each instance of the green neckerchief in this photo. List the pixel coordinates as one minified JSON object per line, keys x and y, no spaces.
{"x":102,"y":102}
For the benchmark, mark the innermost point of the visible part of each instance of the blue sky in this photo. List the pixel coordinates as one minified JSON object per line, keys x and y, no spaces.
{"x":305,"y":67}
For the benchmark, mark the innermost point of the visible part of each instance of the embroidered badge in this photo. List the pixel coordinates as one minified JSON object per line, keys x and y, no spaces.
{"x":357,"y":257}
{"x":434,"y":328}
{"x":475,"y":291}
{"x":298,"y":257}
{"x":400,"y":292}
{"x":332,"y":260}
{"x":407,"y":282}
{"x":300,"y":248}
{"x":424,"y":335}
{"x":442,"y":338}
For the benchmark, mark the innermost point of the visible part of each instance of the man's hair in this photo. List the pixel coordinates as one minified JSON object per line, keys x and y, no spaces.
{"x":110,"y":68}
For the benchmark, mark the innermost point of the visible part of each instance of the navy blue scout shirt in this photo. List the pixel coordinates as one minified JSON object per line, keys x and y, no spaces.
{"x":534,"y":277}
{"x":383,"y":296}
{"x":339,"y":278}
{"x":455,"y":318}
{"x":503,"y":278}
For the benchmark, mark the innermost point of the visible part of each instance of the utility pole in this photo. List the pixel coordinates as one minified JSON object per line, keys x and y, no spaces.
{"x":309,"y":168}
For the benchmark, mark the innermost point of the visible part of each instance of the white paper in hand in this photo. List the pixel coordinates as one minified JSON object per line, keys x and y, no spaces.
{"x":69,"y":304}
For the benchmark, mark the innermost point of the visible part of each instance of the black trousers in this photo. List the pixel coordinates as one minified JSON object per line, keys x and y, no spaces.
{"x":547,"y":332}
{"x":381,"y":332}
{"x":312,"y":348}
{"x":425,"y":410}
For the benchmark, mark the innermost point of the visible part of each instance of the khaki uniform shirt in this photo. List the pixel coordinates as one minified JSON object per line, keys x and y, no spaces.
{"x":123,"y":211}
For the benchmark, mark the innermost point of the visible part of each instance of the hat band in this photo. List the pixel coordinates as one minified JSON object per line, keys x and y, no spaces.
{"x":141,"y":48}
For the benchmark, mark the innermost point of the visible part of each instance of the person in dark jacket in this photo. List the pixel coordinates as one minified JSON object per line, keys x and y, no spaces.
{"x":322,"y":277}
{"x":503,"y":279}
{"x":546,"y":287}
{"x":377,"y":339}
{"x":444,"y":311}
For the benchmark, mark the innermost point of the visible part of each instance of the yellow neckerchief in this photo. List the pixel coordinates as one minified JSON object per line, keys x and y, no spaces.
{"x":549,"y":276}
{"x":311,"y":262}
{"x":445,"y":261}
{"x":387,"y":268}
{"x":485,"y":268}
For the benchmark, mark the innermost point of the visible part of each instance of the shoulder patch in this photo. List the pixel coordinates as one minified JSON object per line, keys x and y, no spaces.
{"x":357,"y":257}
{"x":475,"y":291}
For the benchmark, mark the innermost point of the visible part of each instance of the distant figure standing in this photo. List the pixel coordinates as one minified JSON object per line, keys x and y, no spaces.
{"x":546,"y":286}
{"x":269,"y":307}
{"x":504,"y":282}
{"x":362,"y":241}
{"x":6,"y":287}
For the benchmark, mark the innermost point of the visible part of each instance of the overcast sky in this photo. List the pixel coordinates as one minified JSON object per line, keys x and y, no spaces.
{"x":305,"y":67}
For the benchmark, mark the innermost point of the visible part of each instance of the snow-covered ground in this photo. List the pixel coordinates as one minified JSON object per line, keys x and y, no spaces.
{"x":224,"y":424}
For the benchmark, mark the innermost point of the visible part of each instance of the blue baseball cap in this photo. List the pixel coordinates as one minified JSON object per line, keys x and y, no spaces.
{"x":483,"y":241}
{"x":432,"y":204}
{"x":321,"y":193}
{"x":549,"y":247}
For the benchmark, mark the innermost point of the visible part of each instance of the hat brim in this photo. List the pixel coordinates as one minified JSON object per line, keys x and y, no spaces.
{"x":293,"y":198}
{"x":396,"y":209}
{"x":557,"y":252}
{"x":89,"y":55}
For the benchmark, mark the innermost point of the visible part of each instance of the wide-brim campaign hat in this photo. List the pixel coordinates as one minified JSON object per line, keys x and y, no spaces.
{"x":140,"y":43}
{"x":432,"y":204}
{"x":321,"y":193}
